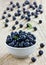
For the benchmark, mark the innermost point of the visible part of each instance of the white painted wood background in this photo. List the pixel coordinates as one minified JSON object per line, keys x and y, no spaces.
{"x":40,"y":35}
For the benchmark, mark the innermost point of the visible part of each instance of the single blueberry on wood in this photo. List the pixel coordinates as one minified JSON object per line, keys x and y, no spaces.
{"x":3,"y":17}
{"x":40,"y":52}
{"x":6,"y":25}
{"x":33,"y":59}
{"x":13,"y":27}
{"x":42,"y":45}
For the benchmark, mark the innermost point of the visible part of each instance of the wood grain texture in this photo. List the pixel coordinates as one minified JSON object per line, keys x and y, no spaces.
{"x":8,"y":59}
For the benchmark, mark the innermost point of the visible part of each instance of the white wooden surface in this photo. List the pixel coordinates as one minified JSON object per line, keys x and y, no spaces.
{"x":40,"y":35}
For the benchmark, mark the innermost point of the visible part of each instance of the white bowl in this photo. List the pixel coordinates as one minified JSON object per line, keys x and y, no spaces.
{"x":21,"y":52}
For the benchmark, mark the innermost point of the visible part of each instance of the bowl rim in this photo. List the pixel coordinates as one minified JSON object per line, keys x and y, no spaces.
{"x":20,"y":48}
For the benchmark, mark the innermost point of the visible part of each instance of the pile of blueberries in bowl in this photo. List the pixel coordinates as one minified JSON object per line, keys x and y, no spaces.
{"x":21,"y":44}
{"x":20,"y":39}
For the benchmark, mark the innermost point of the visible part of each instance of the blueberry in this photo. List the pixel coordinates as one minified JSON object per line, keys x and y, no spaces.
{"x":11,"y":9}
{"x":28,"y":15}
{"x":22,"y":17}
{"x":3,"y":17}
{"x":36,"y":16}
{"x":19,"y":14}
{"x":30,"y":6}
{"x":30,"y":44}
{"x":8,"y":36}
{"x":23,"y":9}
{"x":40,"y":21}
{"x":33,"y":59}
{"x":40,"y":52}
{"x":7,"y":8}
{"x":21,"y":25}
{"x":12,"y":33}
{"x":41,"y":12}
{"x":28,"y":12}
{"x":12,"y":44}
{"x":35,"y":4}
{"x":17,"y":4}
{"x":17,"y":44}
{"x":6,"y":25}
{"x":20,"y":31}
{"x":33,"y":8}
{"x":35,"y":29}
{"x":40,"y":6}
{"x":13,"y":5}
{"x":28,"y":33}
{"x":27,"y":40}
{"x":18,"y":11}
{"x":26,"y":44}
{"x":8,"y":40}
{"x":32,"y":13}
{"x":28,"y":18}
{"x":24,"y":12}
{"x":13,"y":27}
{"x":24,"y":4}
{"x":16,"y":14}
{"x":21,"y":44}
{"x":4,"y":12}
{"x":6,"y":20}
{"x":9,"y":15}
{"x":16,"y":34}
{"x":41,"y":45}
{"x":33,"y":36}
{"x":16,"y":22}
{"x":27,"y":2}
{"x":14,"y":18}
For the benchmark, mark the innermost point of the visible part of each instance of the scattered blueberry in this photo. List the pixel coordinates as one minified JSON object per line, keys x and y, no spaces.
{"x":6,"y":20}
{"x":33,"y":59}
{"x":3,"y":17}
{"x":6,"y":25}
{"x":40,"y":6}
{"x":11,"y":9}
{"x":11,"y":3}
{"x":32,"y":13}
{"x":7,"y":8}
{"x":40,"y":21}
{"x":28,"y":18}
{"x":4,"y":12}
{"x":14,"y":18}
{"x":42,"y":45}
{"x":17,"y":4}
{"x":35,"y":29}
{"x":36,"y":16}
{"x":16,"y":14}
{"x":13,"y":27}
{"x":40,"y":52}
{"x":21,"y":25}
{"x":16,"y":22}
{"x":22,"y":17}
{"x":41,"y":12}
{"x":18,"y":11}
{"x":27,"y":2}
{"x":24,"y":4}
{"x":30,"y":6}
{"x":9,"y":15}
